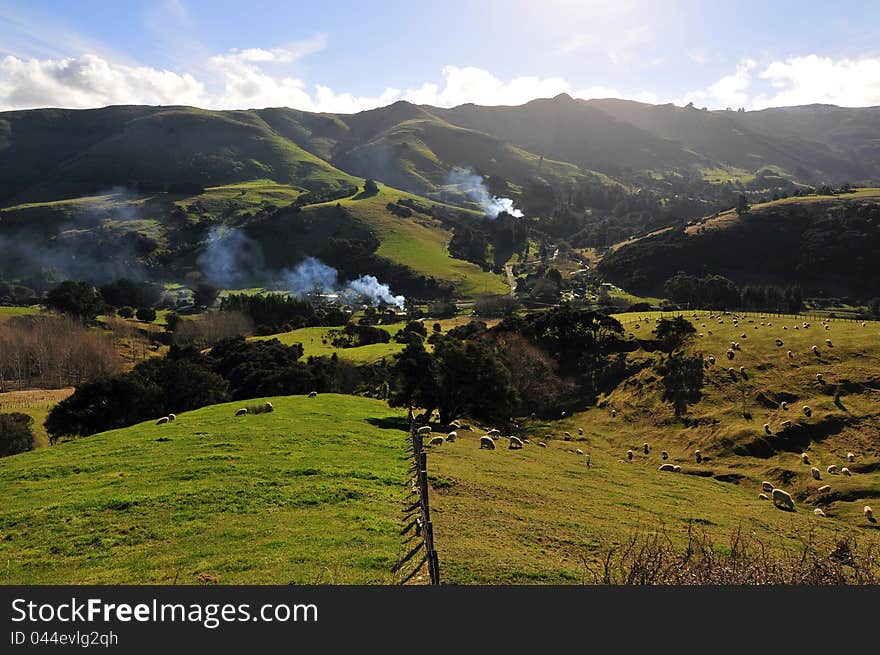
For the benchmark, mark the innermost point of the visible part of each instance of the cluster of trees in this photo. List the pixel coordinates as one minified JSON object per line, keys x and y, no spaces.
{"x":52,"y":351}
{"x":16,"y":435}
{"x":208,"y":328}
{"x":354,"y":335}
{"x":722,"y":293}
{"x":84,"y":301}
{"x":277,"y":312}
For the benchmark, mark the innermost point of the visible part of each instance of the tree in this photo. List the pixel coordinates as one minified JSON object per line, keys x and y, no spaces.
{"x":674,"y":333}
{"x":205,"y":294}
{"x":146,"y":314}
{"x":15,"y":434}
{"x":742,"y":204}
{"x":78,"y":299}
{"x":370,"y":187}
{"x":682,"y":379}
{"x":126,"y":312}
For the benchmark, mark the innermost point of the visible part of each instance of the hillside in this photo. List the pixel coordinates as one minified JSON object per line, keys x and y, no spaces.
{"x":308,"y":494}
{"x":827,"y":244}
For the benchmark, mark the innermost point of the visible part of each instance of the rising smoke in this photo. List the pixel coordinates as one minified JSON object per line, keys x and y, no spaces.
{"x":467,"y":181}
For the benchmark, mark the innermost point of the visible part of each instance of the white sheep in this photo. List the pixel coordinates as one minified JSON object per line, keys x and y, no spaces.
{"x":742,"y":370}
{"x":820,"y":378}
{"x":779,"y":342}
{"x":767,"y":486}
{"x":515,"y":443}
{"x":667,"y":467}
{"x":805,"y":458}
{"x":782,"y":496}
{"x":763,"y":497}
{"x":436,"y":441}
{"x":493,"y":433}
{"x":869,"y":513}
{"x":815,"y":473}
{"x":845,"y":471}
{"x":172,"y":418}
{"x":699,"y":456}
{"x":818,"y":512}
{"x":731,"y":353}
{"x":711,"y":359}
{"x":542,"y":444}
{"x":807,"y":410}
{"x":676,"y":469}
{"x":832,"y":469}
{"x":664,"y":454}
{"x":452,"y":436}
{"x":566,"y":436}
{"x":241,"y":412}
{"x":850,"y":457}
{"x":579,"y":451}
{"x":790,"y":354}
{"x":486,"y":442}
{"x":163,"y":420}
{"x":313,"y":394}
{"x":815,"y":350}
{"x":425,"y":429}
{"x":629,"y":454}
{"x":613,"y":413}
{"x":786,"y":424}
{"x":267,"y":407}
{"x":455,"y":424}
{"x":580,"y":431}
{"x":784,"y":405}
{"x":824,"y":489}
{"x":645,"y":448}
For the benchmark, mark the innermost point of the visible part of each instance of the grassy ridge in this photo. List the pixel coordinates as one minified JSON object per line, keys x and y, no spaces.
{"x":310,"y":493}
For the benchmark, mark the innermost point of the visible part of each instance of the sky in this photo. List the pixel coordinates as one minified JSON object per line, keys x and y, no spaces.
{"x":328,"y":55}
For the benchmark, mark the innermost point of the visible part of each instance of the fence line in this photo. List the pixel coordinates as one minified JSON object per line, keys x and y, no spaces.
{"x":420,"y":512}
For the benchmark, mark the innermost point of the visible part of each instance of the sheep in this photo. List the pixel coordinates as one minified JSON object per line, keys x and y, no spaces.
{"x":515,"y":443}
{"x":820,"y":378}
{"x":782,"y":496}
{"x":241,"y":412}
{"x":805,"y":458}
{"x":163,"y":420}
{"x":613,"y":413}
{"x":818,"y":512}
{"x":709,"y":332}
{"x":455,"y":424}
{"x":676,"y":469}
{"x":786,"y":424}
{"x":712,"y":359}
{"x":827,"y":327}
{"x":452,"y":436}
{"x":824,"y":489}
{"x":172,"y":418}
{"x":702,"y":335}
{"x":664,"y":454}
{"x":807,"y":410}
{"x":730,"y":353}
{"x":767,"y":486}
{"x":629,"y":454}
{"x":790,"y":355}
{"x":869,"y":513}
{"x":425,"y":429}
{"x":767,"y":428}
{"x":313,"y":394}
{"x":763,"y":497}
{"x":784,"y":327}
{"x":742,"y":370}
{"x":579,"y":451}
{"x":436,"y":441}
{"x":815,"y":473}
{"x":784,"y":406}
{"x":850,"y":457}
{"x":486,"y":442}
{"x":815,"y":349}
{"x":645,"y":448}
{"x":542,"y":444}
{"x":526,"y":441}
{"x":267,"y":407}
{"x":667,"y":467}
{"x":493,"y":433}
{"x":699,"y":456}
{"x":566,"y":436}
{"x":580,"y":431}
{"x":845,"y":471}
{"x":779,"y":342}
{"x":832,"y":469}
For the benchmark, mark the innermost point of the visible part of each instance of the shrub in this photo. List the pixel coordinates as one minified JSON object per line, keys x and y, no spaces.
{"x":15,"y":434}
{"x":126,"y":312}
{"x":146,"y":314}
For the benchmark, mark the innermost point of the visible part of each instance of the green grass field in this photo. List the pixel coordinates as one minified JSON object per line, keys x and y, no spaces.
{"x":310,"y":493}
{"x":315,"y":343}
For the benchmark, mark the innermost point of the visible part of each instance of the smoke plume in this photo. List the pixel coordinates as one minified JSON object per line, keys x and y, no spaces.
{"x":473,"y":185}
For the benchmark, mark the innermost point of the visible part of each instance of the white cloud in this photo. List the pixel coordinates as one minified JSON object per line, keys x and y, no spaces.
{"x":814,"y":79}
{"x":729,"y":91}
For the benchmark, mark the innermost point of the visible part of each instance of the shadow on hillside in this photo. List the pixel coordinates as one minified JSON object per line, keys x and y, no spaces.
{"x":390,"y":423}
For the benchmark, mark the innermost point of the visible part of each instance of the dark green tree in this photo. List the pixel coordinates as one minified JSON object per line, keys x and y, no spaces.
{"x":77,"y":299}
{"x":682,"y":380}
{"x":675,"y":333}
{"x":146,"y":314}
{"x":15,"y":433}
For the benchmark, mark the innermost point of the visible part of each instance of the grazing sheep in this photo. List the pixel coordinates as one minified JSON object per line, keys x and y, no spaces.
{"x":515,"y":443}
{"x":645,"y":448}
{"x":832,"y":469}
{"x":869,"y":513}
{"x":820,"y":378}
{"x":824,"y":489}
{"x":779,"y":342}
{"x":742,"y":370}
{"x":313,"y":394}
{"x":629,"y":454}
{"x":699,"y":456}
{"x":709,"y":332}
{"x":579,"y":451}
{"x":493,"y":433}
{"x":712,"y":359}
{"x":436,"y":441}
{"x":486,"y":442}
{"x":664,"y":454}
{"x":815,"y":473}
{"x":580,"y":431}
{"x":784,"y":327}
{"x":786,"y":424}
{"x":805,"y":458}
{"x":807,"y":410}
{"x":784,"y":405}
{"x":815,"y":349}
{"x":455,"y":424}
{"x":566,"y":436}
{"x":818,"y":512}
{"x":676,"y":469}
{"x":846,"y":472}
{"x":782,"y":496}
{"x":425,"y":429}
{"x":730,"y":353}
{"x":667,"y":467}
{"x":542,"y":444}
{"x":790,"y":354}
{"x":763,"y":497}
{"x":613,"y":413}
{"x":163,"y":420}
{"x":241,"y":412}
{"x":172,"y":418}
{"x":767,"y":428}
{"x":267,"y":407}
{"x":526,"y":441}
{"x":767,"y":486}
{"x":850,"y":457}
{"x":452,"y":436}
